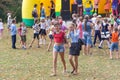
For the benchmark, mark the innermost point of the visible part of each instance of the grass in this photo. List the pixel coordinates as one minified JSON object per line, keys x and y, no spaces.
{"x":36,"y":63}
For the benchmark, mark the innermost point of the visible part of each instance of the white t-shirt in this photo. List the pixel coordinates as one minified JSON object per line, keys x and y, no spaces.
{"x":1,"y":25}
{"x":97,"y":26}
{"x":43,"y":25}
{"x":36,"y":28}
{"x":24,"y":30}
{"x":94,"y":20}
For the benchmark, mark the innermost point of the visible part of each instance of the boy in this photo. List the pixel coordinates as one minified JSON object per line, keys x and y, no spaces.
{"x":114,"y":43}
{"x":13,"y":30}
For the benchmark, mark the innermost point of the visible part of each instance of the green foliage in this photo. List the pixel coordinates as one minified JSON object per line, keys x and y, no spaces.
{"x":12,"y":6}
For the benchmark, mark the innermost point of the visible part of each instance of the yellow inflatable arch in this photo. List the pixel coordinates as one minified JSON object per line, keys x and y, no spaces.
{"x":27,"y":7}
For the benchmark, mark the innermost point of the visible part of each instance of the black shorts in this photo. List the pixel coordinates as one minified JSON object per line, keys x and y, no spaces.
{"x":42,"y":32}
{"x":36,"y":35}
{"x":51,"y":36}
{"x":23,"y":38}
{"x":74,"y":49}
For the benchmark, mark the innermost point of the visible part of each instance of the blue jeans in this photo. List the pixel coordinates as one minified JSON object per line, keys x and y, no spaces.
{"x":114,"y":46}
{"x":87,"y":38}
{"x":97,"y":34}
{"x":13,"y":41}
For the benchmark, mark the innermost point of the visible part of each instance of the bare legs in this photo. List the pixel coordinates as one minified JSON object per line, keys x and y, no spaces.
{"x":74,"y":64}
{"x":55,"y":54}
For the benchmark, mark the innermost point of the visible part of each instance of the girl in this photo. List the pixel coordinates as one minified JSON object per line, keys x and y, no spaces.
{"x":1,"y":29}
{"x":105,"y":34}
{"x":43,"y":31}
{"x":87,"y":27}
{"x":58,"y":48}
{"x":51,"y":29}
{"x":115,"y":43}
{"x":107,"y":7}
{"x":23,"y":35}
{"x":36,"y":29}
{"x":97,"y":31}
{"x":74,"y":47}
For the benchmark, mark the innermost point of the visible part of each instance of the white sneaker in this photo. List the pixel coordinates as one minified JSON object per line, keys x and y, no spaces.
{"x":40,"y":41}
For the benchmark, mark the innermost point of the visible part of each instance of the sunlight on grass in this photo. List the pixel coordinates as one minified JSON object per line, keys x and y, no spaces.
{"x":36,"y":63}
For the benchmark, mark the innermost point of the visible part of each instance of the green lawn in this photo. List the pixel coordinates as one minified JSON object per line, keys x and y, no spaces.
{"x":36,"y":63}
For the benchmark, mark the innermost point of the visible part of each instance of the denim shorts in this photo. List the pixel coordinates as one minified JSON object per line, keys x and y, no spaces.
{"x":59,"y":48}
{"x":114,"y":46}
{"x":87,"y":38}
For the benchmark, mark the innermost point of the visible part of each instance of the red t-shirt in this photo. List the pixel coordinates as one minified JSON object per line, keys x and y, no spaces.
{"x":58,"y":38}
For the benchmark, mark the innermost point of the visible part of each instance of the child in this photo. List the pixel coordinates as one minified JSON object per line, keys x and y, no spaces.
{"x":23,"y":35}
{"x":19,"y":32}
{"x":115,"y":42}
{"x":59,"y":37}
{"x":97,"y":31}
{"x":13,"y":30}
{"x":105,"y":34}
{"x":9,"y":20}
{"x":36,"y":29}
{"x":51,"y":35}
{"x":1,"y":29}
{"x":43,"y":31}
{"x":74,"y":48}
{"x":48,"y":23}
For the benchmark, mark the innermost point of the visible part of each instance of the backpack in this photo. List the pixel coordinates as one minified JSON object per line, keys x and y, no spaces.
{"x":34,"y":14}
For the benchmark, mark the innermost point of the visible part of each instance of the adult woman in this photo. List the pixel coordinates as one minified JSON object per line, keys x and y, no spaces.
{"x":87,"y":27}
{"x":59,"y":37}
{"x":74,"y":47}
{"x":52,"y":11}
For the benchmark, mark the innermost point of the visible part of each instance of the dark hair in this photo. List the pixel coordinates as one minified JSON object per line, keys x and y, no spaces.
{"x":36,"y":21}
{"x":85,"y":22}
{"x":13,"y":21}
{"x":41,"y":4}
{"x":35,"y":5}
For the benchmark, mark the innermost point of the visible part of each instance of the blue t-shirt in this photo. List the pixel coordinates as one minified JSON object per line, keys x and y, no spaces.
{"x":13,"y":29}
{"x":88,"y":28}
{"x":74,"y":36}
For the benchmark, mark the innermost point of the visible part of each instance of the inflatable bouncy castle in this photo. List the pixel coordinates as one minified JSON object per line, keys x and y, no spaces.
{"x":28,"y":5}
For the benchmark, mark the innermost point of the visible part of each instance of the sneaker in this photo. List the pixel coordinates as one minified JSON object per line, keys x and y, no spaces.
{"x":100,"y":47}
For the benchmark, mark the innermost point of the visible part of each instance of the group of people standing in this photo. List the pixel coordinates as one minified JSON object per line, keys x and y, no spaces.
{"x":42,"y":11}
{"x":88,"y":7}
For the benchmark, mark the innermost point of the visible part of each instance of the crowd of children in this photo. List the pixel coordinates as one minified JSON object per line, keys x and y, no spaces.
{"x":80,"y":33}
